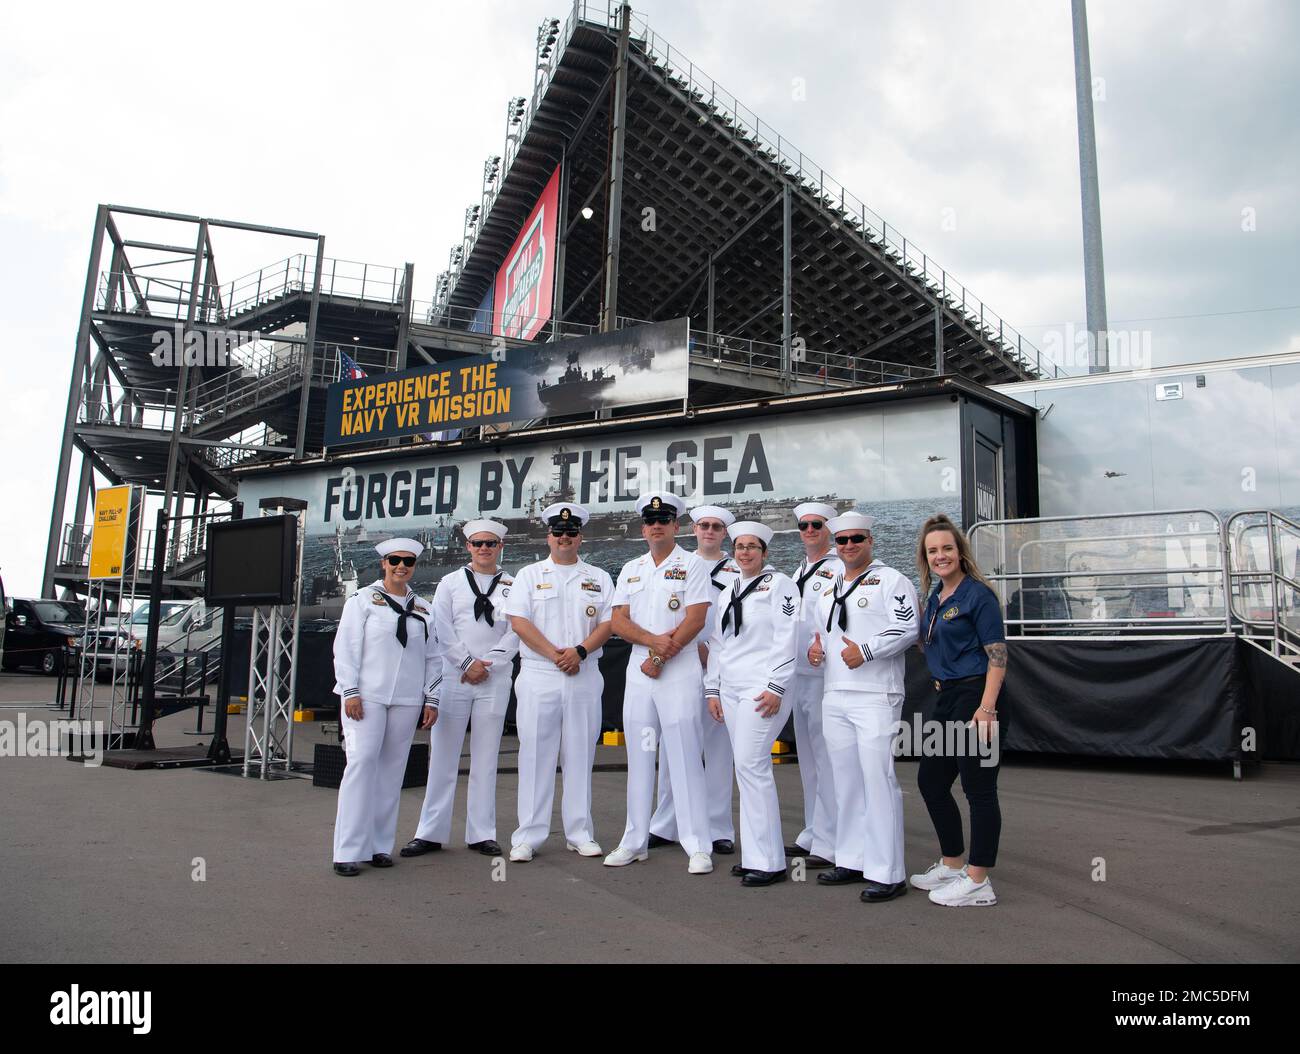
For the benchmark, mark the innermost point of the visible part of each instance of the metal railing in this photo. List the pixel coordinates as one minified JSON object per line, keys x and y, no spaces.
{"x":1263,"y":554}
{"x":770,"y":146}
{"x":1121,"y":573}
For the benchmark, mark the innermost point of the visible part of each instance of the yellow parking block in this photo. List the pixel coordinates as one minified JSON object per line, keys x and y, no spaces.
{"x":782,"y":748}
{"x":613,"y":739}
{"x":235,"y":708}
{"x":304,"y":715}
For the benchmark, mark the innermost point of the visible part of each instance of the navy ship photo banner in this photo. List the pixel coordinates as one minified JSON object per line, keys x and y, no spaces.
{"x":632,"y":367}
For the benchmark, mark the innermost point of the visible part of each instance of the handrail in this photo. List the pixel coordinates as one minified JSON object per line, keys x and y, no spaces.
{"x":1282,"y":622}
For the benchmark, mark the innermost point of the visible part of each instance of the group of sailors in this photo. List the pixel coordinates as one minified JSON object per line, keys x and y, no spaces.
{"x":724,"y":648}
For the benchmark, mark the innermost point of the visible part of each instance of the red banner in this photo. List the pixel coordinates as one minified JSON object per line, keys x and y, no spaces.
{"x":526,"y":281}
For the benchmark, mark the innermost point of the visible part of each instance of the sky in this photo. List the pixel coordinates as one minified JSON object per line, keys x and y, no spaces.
{"x":953,"y":121}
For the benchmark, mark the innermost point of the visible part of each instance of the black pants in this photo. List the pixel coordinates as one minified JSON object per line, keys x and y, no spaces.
{"x":979,"y":782}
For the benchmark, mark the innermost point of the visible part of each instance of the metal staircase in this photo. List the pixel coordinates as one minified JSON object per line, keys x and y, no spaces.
{"x":1264,"y":568}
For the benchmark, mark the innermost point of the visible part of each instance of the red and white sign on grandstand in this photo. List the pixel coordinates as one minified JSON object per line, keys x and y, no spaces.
{"x":526,"y":281}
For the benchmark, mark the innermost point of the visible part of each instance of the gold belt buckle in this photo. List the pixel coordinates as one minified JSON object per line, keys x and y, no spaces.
{"x":938,"y":686}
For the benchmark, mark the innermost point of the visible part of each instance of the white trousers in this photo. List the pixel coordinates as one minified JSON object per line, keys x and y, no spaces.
{"x":553,"y":711}
{"x":752,"y":736}
{"x":483,"y":708}
{"x":718,"y":782}
{"x":669,"y":713}
{"x":377,"y":747}
{"x":818,"y":834}
{"x":859,"y":729}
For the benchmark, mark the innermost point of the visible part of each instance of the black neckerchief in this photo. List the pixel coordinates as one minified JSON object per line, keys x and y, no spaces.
{"x":716,"y":568}
{"x":738,"y":599}
{"x":483,"y":608}
{"x":838,"y":601}
{"x":403,"y":613}
{"x":803,"y":578}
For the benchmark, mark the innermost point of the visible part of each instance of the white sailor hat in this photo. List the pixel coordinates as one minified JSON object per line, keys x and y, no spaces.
{"x":716,"y":511}
{"x":660,"y":501}
{"x":813,"y":508}
{"x":399,"y":545}
{"x":474,"y":527}
{"x":761,"y":531}
{"x":564,"y":513}
{"x":851,"y":521}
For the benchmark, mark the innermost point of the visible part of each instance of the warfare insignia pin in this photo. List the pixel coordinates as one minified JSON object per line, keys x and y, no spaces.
{"x":673,"y":603}
{"x":377,"y":600}
{"x":862,"y":602}
{"x":951,"y":613}
{"x":591,"y":611}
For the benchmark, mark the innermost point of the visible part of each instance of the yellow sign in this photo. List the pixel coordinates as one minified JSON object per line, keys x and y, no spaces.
{"x":108,"y":537}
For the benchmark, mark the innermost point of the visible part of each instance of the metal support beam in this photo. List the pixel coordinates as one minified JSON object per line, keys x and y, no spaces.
{"x":615,"y":218}
{"x":308,"y":351}
{"x":404,"y":327}
{"x":562,"y":226}
{"x":1094,"y":270}
{"x":80,"y":360}
{"x":712,"y":279}
{"x":172,"y":496}
{"x":787,"y":280}
{"x":938,"y":339}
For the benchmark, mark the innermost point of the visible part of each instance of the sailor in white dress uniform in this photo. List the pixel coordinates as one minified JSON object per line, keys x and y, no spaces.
{"x":751,"y":662}
{"x":386,"y":664}
{"x":814,"y":576}
{"x":867,"y":623}
{"x":478,"y":650}
{"x":709,"y":523}
{"x":661,"y":603}
{"x":560,"y":608}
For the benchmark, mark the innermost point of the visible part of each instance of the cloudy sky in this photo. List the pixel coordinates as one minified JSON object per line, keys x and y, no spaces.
{"x":954,"y":121}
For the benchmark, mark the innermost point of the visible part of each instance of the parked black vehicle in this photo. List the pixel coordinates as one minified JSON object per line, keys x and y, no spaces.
{"x":36,"y":632}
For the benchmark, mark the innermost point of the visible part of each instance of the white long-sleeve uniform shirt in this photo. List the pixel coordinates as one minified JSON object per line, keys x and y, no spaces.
{"x":762,"y":653}
{"x":818,"y":578}
{"x":565,"y":602}
{"x":370,"y":662}
{"x":882,"y":618}
{"x":464,"y":638}
{"x":657,"y":598}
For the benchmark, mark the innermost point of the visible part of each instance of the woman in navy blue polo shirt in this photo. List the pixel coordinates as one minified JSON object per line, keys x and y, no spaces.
{"x":965,"y":647}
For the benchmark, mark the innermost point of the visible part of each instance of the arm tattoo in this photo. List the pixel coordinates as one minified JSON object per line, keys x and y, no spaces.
{"x":997,"y":654}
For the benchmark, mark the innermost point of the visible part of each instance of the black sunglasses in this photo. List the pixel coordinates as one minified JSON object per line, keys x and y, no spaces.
{"x":662,"y":517}
{"x":565,"y":532}
{"x":491,"y":543}
{"x":811,"y":525}
{"x":845,"y":539}
{"x":393,"y":561}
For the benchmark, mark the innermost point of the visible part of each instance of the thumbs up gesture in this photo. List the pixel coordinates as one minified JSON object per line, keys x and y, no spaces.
{"x":815,"y":652}
{"x":852,"y":654}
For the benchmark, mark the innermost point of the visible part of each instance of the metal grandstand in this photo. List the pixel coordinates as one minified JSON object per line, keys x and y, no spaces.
{"x":792,"y":285}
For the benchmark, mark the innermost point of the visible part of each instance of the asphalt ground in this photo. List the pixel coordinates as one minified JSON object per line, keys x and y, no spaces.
{"x":102,"y":865}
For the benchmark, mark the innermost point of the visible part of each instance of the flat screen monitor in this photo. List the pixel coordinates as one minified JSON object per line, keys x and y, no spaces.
{"x":252,"y":561}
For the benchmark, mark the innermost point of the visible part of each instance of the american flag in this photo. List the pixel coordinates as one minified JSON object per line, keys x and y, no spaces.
{"x":348,"y":368}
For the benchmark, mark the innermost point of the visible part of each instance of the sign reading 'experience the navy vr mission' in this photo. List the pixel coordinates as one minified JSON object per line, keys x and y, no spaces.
{"x":641,"y":365}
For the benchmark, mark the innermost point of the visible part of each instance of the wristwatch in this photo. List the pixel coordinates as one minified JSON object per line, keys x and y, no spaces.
{"x":582,"y":652}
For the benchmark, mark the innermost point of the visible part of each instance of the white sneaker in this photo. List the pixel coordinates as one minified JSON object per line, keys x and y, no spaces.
{"x":621,"y":857}
{"x":586,"y":848}
{"x":521,"y":854}
{"x":936,"y":875}
{"x":965,"y":892}
{"x":701,"y":864}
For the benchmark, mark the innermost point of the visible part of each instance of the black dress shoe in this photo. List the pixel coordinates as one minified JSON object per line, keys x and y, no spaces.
{"x":879,"y":892}
{"x":655,"y":841}
{"x":816,"y":863}
{"x":381,"y":860}
{"x":418,"y":847}
{"x":764,"y":878}
{"x":346,"y":870}
{"x":839,"y":876}
{"x":725,"y":846}
{"x":795,"y":850}
{"x":739,"y":872}
{"x":489,"y":847}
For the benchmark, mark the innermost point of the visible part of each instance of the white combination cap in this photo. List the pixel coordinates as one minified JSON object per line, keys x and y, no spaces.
{"x":564,"y":513}
{"x":660,"y":501}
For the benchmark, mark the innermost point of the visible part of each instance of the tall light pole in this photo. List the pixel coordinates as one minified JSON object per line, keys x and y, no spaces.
{"x":1094,"y":271}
